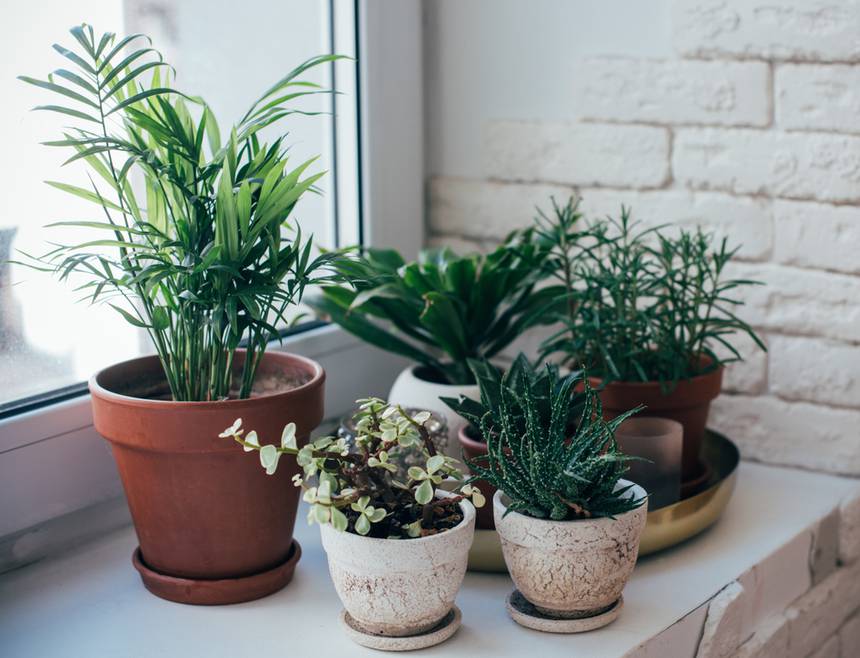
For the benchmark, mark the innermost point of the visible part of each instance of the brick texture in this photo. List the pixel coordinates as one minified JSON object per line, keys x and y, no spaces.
{"x":818,"y":166}
{"x":557,"y":152}
{"x":797,"y":301}
{"x":817,"y":235}
{"x":814,"y":97}
{"x":812,"y":30}
{"x":482,"y":210}
{"x":746,"y":222}
{"x":672,"y":92}
{"x":791,"y":433}
{"x":815,"y":370}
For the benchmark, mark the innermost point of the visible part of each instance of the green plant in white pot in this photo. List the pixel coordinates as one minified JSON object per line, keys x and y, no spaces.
{"x":569,"y":524}
{"x":203,"y":256}
{"x":439,"y":311}
{"x":397,"y":548}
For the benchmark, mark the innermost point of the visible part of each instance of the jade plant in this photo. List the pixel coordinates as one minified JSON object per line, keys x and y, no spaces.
{"x":551,"y":463}
{"x":203,"y":254}
{"x":637,"y":304}
{"x":441,"y":309}
{"x":353,"y":486}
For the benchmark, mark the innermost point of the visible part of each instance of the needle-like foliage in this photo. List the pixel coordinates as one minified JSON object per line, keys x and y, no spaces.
{"x":639,"y":304}
{"x":549,"y":448}
{"x":442,"y":309}
{"x":202,"y":256}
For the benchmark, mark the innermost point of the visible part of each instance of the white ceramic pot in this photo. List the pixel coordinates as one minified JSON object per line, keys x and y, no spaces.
{"x":570,"y":569}
{"x":410,"y":390}
{"x":399,"y":587}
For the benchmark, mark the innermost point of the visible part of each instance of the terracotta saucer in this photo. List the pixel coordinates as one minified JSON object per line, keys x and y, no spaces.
{"x":525,"y":614}
{"x":218,"y":592}
{"x":439,"y":633}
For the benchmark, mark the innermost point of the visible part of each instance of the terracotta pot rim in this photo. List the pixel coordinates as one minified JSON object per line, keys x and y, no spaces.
{"x":467,"y":441}
{"x":469,"y":513}
{"x":656,"y":382}
{"x":308,"y":365}
{"x":637,"y":490}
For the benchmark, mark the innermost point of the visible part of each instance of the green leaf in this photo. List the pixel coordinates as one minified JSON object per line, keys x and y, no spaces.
{"x":338,"y":520}
{"x":362,"y":525}
{"x":424,"y":492}
{"x":132,"y":320}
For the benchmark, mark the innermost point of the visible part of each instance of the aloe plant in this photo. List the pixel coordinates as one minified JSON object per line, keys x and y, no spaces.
{"x":523,"y":377}
{"x":549,"y":461}
{"x":206,"y":258}
{"x":355,"y":487}
{"x":442,"y":309}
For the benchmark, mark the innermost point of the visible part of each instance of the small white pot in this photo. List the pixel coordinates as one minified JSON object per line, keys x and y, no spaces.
{"x":399,"y":587}
{"x":409,"y":390}
{"x":570,"y":569}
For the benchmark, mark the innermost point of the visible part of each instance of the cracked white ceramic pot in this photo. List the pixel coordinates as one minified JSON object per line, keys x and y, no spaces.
{"x":399,"y":587}
{"x":415,"y":389}
{"x":570,"y":569}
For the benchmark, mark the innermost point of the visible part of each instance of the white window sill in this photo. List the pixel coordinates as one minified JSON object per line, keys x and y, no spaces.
{"x":90,"y":602}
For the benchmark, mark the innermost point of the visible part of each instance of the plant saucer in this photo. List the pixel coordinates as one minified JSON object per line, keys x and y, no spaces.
{"x":436,"y":635}
{"x":525,"y":614}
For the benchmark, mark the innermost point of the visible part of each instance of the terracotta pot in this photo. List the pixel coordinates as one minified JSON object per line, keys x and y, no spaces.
{"x":688,"y":403}
{"x":414,"y":387}
{"x":570,"y":569}
{"x":399,"y":587}
{"x":212,"y":526}
{"x":473,"y":449}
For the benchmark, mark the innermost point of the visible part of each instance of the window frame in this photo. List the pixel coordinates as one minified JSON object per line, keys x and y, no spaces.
{"x":40,"y":446}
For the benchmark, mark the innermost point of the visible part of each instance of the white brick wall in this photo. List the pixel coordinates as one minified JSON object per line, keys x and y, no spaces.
{"x":816,"y":97}
{"x":817,"y":235}
{"x":672,"y":92}
{"x":814,"y":30}
{"x":752,"y":131}
{"x":630,"y":156}
{"x":819,"y":166}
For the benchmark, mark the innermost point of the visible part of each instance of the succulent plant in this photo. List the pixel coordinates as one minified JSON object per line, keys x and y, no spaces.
{"x":521,"y":377}
{"x":355,"y":488}
{"x":441,"y":309}
{"x":549,"y":448}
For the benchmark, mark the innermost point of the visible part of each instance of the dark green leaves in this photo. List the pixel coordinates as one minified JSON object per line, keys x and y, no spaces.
{"x":635,"y":304}
{"x":549,"y":449}
{"x":442,"y":309}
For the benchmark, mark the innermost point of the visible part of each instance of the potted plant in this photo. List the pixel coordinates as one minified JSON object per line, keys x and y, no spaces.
{"x":438,"y":311}
{"x":568,"y":522}
{"x":651,"y":315}
{"x":203,"y":258}
{"x":522,"y":376}
{"x":396,"y":549}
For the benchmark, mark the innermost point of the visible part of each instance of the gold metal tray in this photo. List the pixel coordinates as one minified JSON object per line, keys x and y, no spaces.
{"x":675,"y":523}
{"x":666,"y":526}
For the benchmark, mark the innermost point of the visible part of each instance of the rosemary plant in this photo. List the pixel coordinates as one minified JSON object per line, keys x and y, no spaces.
{"x":550,"y":464}
{"x":207,"y":258}
{"x":442,"y":309}
{"x":636,"y":304}
{"x":354,"y":487}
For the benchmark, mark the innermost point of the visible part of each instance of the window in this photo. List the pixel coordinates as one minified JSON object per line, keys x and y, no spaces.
{"x":49,"y":343}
